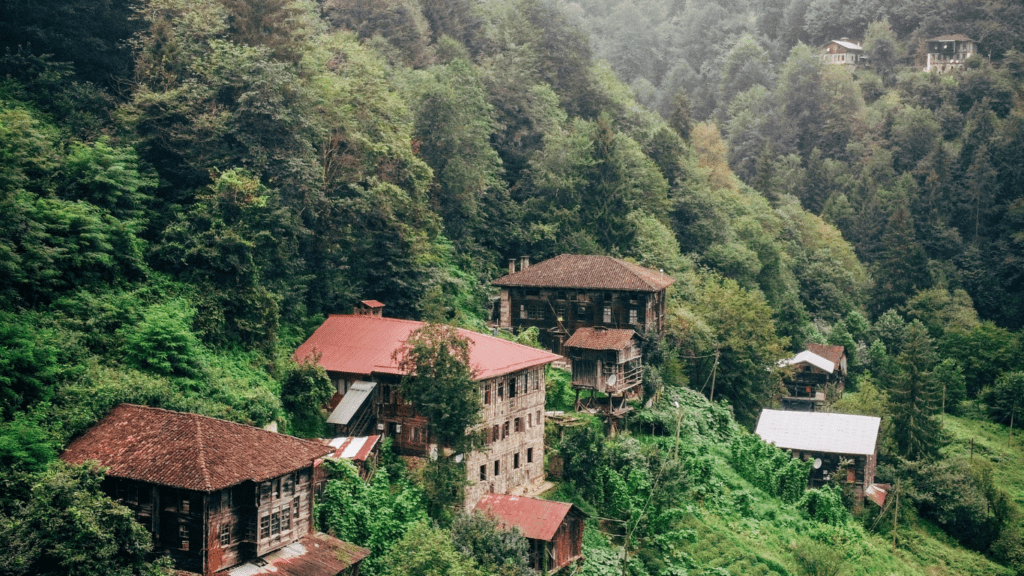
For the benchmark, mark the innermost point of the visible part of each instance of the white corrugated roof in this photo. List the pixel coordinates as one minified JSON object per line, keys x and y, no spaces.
{"x":819,"y":431}
{"x":810,"y":358}
{"x":848,"y":45}
{"x":350,"y":404}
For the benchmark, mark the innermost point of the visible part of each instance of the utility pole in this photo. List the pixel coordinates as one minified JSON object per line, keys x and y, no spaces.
{"x":714,"y":369}
{"x":895,"y":515}
{"x":679,"y":418}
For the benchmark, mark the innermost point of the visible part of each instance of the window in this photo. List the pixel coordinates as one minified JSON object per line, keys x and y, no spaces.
{"x":415,"y":434}
{"x":265,"y":492}
{"x":501,"y":390}
{"x":497,"y":467}
{"x":529,"y":455}
{"x":535,"y":311}
{"x":515,"y":460}
{"x":286,"y":517}
{"x":225,"y":534}
{"x":581,"y":312}
{"x":529,"y":421}
{"x":265,"y":525}
{"x":504,"y":430}
{"x":607,"y":314}
{"x":289,"y":485}
{"x":184,"y":505}
{"x":487,"y":393}
{"x":497,"y":433}
{"x":277,"y":488}
{"x":560,"y":312}
{"x":295,"y":506}
{"x":515,"y":425}
{"x":633,"y":315}
{"x":561,"y":295}
{"x":522,"y":312}
{"x":538,"y":418}
{"x":483,"y":472}
{"x":512,"y":387}
{"x":183,"y":530}
{"x":275,"y":523}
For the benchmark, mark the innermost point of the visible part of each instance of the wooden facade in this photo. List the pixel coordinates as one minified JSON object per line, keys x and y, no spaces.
{"x":947,"y":54}
{"x":605,"y":362}
{"x":213,"y":494}
{"x":569,"y":292}
{"x":814,"y":378}
{"x":842,"y":53}
{"x":205,"y":532}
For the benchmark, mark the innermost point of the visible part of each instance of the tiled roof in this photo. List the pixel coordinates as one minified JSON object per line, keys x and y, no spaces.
{"x":831,"y":353}
{"x":536,"y":519}
{"x":819,"y":431}
{"x":366,"y":345}
{"x":600,"y":339}
{"x":588,"y":272}
{"x":188,"y":450}
{"x":313,"y":555}
{"x":951,"y":38}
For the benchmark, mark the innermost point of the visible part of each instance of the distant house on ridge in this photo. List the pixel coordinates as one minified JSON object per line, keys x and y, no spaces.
{"x":949,"y":53}
{"x":842,"y":53}
{"x":813,"y":377}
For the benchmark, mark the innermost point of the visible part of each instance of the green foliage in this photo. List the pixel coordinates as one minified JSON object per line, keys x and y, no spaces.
{"x":163,"y":340}
{"x":427,"y":551}
{"x":915,"y":397}
{"x":375,"y":514}
{"x":769,"y":468}
{"x":825,"y":505}
{"x":28,"y":369}
{"x":440,"y":385}
{"x":1006,"y":398}
{"x":304,"y":390}
{"x":70,"y":527}
{"x":496,"y":551}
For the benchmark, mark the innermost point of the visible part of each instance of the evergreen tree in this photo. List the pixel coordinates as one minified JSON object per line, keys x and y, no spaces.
{"x":915,"y":397}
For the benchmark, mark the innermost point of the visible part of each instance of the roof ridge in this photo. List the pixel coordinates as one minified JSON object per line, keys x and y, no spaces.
{"x":202,"y":454}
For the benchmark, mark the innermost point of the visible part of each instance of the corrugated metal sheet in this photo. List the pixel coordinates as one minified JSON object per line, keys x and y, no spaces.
{"x":600,"y":339}
{"x":588,"y":272}
{"x":536,"y":519}
{"x":313,"y":555}
{"x":366,"y":345}
{"x":810,"y":358}
{"x":819,"y":431}
{"x":951,"y":38}
{"x":350,"y":404}
{"x":353,"y":448}
{"x":849,"y":45}
{"x":877,"y":493}
{"x":188,"y":450}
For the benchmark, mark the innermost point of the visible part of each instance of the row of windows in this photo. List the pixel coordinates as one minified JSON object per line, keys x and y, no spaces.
{"x":277,"y":488}
{"x":631,"y":297}
{"x":534,"y":311}
{"x":521,"y":383}
{"x":497,"y":464}
{"x":500,"y":432}
{"x":277,"y":520}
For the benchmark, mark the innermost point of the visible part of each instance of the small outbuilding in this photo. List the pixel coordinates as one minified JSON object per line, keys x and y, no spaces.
{"x":828,"y":439}
{"x":813,"y":377}
{"x":606,"y":361}
{"x":554,"y":529}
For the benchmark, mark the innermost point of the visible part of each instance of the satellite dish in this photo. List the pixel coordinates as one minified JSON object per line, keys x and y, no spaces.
{"x":817,"y":463}
{"x":612,"y":379}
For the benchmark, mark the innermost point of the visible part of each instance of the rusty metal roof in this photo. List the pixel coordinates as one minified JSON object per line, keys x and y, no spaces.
{"x":819,"y":431}
{"x":831,"y":353}
{"x":356,"y":448}
{"x":365,"y":345}
{"x":600,"y":339}
{"x":313,"y":555}
{"x":536,"y":519}
{"x":188,"y":450}
{"x":588,"y":272}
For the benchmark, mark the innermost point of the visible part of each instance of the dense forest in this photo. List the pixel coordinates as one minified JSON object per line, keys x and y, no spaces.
{"x":188,"y":187}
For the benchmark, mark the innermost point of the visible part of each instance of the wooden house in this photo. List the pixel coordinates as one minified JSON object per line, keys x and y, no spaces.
{"x":214,"y":494}
{"x":605,"y":361}
{"x":813,"y":377}
{"x":554,"y":529}
{"x":563,"y":294}
{"x":947,"y":54}
{"x":364,"y":349}
{"x":828,"y":440}
{"x":842,"y":53}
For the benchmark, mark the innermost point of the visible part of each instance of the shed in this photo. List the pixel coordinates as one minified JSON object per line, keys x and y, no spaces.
{"x":605,"y":360}
{"x":554,"y":529}
{"x":827,"y":439}
{"x":354,"y":413}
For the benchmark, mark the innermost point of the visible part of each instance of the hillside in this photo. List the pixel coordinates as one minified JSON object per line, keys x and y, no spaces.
{"x":188,"y":188}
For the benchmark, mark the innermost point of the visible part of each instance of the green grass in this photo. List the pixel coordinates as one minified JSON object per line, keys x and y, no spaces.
{"x":993,"y":443}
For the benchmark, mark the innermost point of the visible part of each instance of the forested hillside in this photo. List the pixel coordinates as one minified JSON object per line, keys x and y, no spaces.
{"x":188,"y":187}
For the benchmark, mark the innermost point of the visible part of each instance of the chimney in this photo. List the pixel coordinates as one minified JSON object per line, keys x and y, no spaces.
{"x":511,"y":265}
{"x":524,"y":262}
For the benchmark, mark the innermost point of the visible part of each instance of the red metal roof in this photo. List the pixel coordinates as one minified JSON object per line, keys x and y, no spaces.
{"x":831,"y":353}
{"x":536,"y":519}
{"x":365,"y":345}
{"x":188,"y":450}
{"x":588,"y":272}
{"x":352,"y":447}
{"x":313,"y":555}
{"x":600,"y":339}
